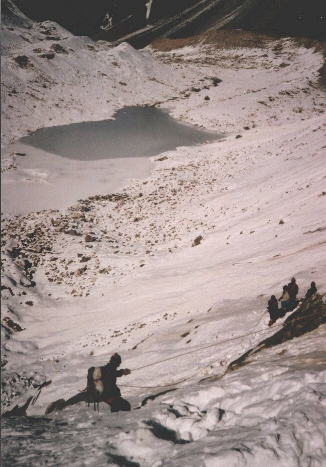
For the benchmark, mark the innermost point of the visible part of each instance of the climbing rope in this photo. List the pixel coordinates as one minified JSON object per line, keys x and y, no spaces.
{"x":161,"y":385}
{"x":187,"y":353}
{"x":196,"y":350}
{"x":204,"y":347}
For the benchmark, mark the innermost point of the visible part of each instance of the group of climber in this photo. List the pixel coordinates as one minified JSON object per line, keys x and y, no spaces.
{"x":288,"y":300}
{"x":101,"y":380}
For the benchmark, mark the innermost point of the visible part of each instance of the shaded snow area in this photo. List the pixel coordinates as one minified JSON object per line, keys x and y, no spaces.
{"x":177,"y":259}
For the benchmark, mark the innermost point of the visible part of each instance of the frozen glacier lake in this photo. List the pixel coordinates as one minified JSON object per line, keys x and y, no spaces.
{"x":133,"y":132}
{"x":56,"y":166}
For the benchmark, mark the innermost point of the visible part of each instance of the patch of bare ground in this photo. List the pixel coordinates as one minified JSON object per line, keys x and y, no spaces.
{"x":234,"y":39}
{"x":221,"y":39}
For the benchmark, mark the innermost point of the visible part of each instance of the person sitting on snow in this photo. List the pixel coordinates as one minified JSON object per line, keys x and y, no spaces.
{"x":285,"y":301}
{"x":311,"y":291}
{"x":273,"y":310}
{"x":293,"y":290}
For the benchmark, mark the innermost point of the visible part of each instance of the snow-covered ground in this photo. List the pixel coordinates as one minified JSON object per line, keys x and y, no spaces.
{"x":122,"y":271}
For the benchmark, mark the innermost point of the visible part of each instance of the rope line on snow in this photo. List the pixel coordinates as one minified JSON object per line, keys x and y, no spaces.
{"x":187,"y":353}
{"x":196,"y":350}
{"x":159,"y":386}
{"x":203,"y":347}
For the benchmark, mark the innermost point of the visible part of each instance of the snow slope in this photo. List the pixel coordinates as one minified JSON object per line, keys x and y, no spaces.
{"x":123,"y":272}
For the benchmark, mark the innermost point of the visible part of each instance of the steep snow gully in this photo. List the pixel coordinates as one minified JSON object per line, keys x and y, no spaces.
{"x":175,"y":259}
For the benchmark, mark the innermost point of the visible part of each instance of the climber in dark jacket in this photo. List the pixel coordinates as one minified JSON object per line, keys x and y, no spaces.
{"x":111,"y":393}
{"x":273,"y":310}
{"x":105,"y":382}
{"x":311,"y":292}
{"x":293,"y":290}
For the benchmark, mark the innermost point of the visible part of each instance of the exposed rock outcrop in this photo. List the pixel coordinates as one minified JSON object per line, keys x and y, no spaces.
{"x":309,"y":316}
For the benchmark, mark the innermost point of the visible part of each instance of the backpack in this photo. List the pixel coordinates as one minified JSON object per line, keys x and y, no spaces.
{"x":95,"y":386}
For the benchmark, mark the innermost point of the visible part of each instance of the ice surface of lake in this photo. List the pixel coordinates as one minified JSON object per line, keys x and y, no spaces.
{"x":133,"y":132}
{"x":62,"y":164}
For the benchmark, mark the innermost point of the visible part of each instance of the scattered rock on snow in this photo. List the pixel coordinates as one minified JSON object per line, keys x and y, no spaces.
{"x":216,"y":81}
{"x":59,"y":49}
{"x":48,"y":55}
{"x":23,"y":61}
{"x":71,"y":232}
{"x":90,"y":238}
{"x":84,"y":259}
{"x":197,"y":240}
{"x":12,"y":325}
{"x":185,"y":334}
{"x":81,"y":271}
